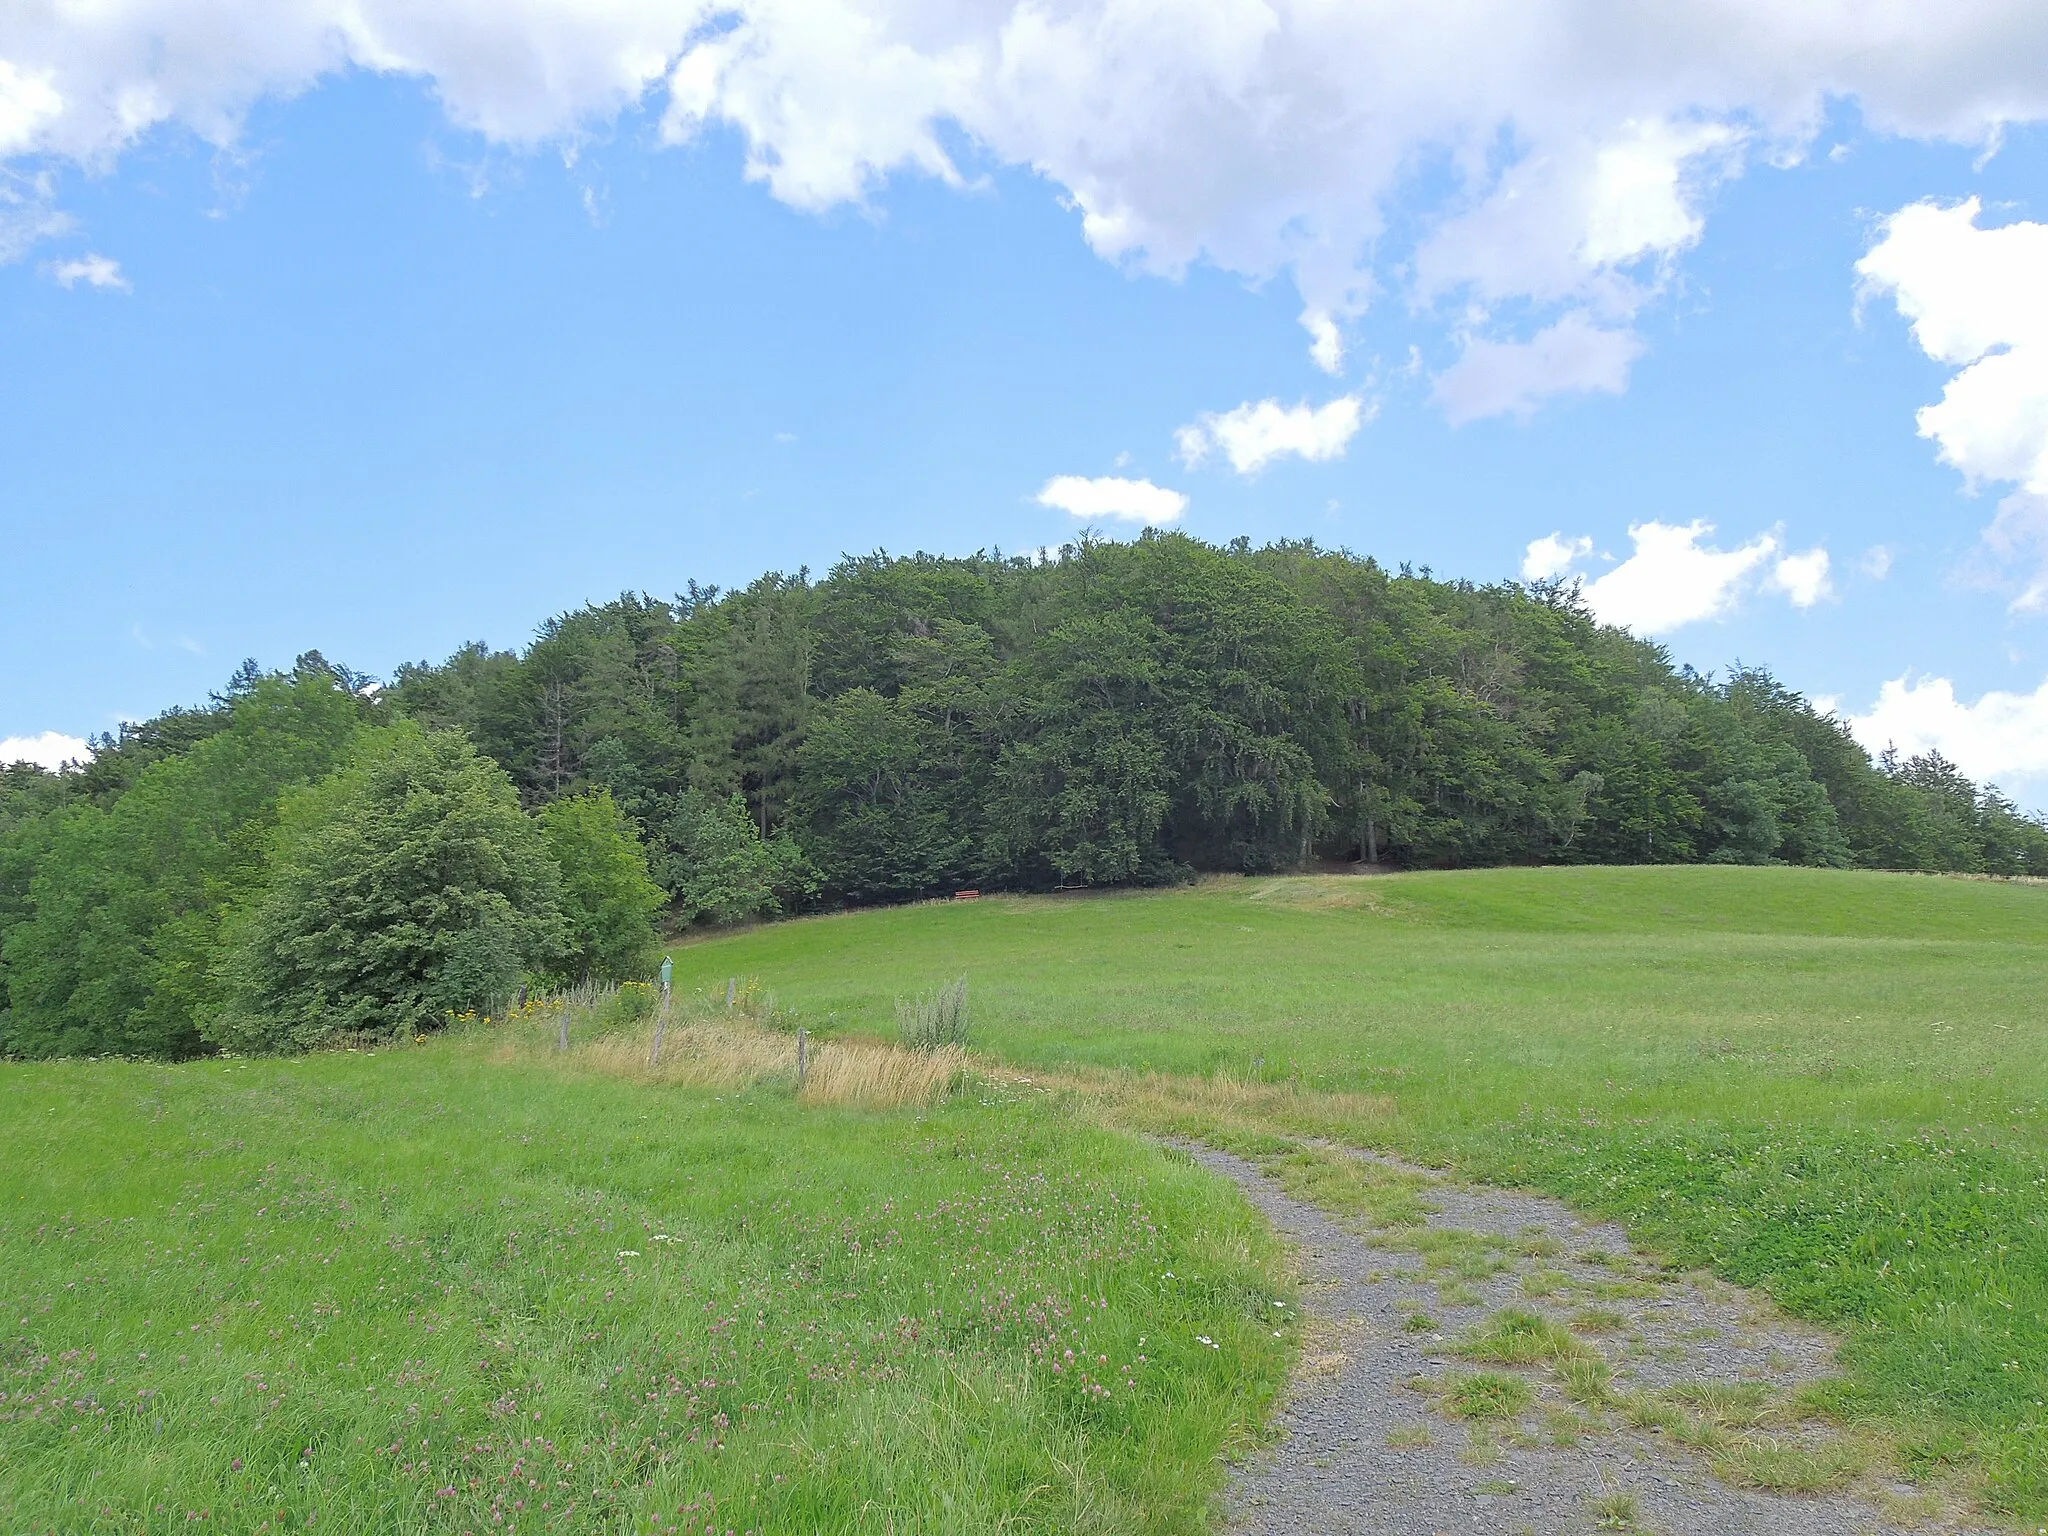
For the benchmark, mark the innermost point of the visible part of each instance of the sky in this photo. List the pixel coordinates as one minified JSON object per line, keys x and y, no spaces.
{"x":381,"y":326}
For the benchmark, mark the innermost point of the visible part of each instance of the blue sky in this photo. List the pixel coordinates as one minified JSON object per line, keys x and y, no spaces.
{"x":380,"y":360}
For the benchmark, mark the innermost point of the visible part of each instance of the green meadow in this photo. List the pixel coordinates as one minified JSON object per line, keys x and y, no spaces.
{"x":429,"y":1291}
{"x":457,"y":1287}
{"x":1832,"y":1085}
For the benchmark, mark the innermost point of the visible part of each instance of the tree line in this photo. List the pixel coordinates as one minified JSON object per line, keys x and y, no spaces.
{"x":294,"y":865}
{"x":1126,"y":713}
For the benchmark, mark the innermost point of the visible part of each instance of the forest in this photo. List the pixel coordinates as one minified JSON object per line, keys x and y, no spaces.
{"x":316,"y":854}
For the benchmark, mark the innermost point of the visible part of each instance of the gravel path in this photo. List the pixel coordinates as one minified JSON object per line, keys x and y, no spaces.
{"x":1375,"y":1441}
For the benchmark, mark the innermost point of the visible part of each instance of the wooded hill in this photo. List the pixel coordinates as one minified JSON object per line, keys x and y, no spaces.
{"x":1125,"y":713}
{"x":1132,"y":711}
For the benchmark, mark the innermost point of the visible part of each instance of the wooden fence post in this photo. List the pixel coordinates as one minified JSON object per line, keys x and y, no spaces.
{"x":732,"y":988}
{"x":660,"y":1027}
{"x":802,"y":1057}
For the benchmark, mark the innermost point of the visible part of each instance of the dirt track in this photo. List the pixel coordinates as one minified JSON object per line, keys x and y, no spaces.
{"x":1388,"y":1432}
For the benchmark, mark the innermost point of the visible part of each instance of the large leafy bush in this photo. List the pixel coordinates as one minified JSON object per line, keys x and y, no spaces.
{"x":406,"y":887}
{"x":608,"y":899}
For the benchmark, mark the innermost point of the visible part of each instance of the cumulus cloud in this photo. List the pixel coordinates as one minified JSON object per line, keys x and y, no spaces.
{"x":1512,"y":378}
{"x":95,"y":271}
{"x":1553,"y":555}
{"x":28,"y":101}
{"x":1976,"y":302}
{"x":1111,"y":496}
{"x":1676,"y":577}
{"x":1559,"y":154}
{"x":1258,"y":432}
{"x":2002,"y":736}
{"x":51,"y":749}
{"x":1574,"y":221}
{"x":1803,"y":578}
{"x":1673,"y":579}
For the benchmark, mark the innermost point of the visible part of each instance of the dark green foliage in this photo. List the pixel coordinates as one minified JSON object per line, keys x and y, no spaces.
{"x":725,"y":871}
{"x":406,"y":887}
{"x":878,"y":798}
{"x":109,"y":947}
{"x":31,"y":799}
{"x":1123,"y":714}
{"x":608,"y":902}
{"x":119,"y":758}
{"x":1129,"y":712}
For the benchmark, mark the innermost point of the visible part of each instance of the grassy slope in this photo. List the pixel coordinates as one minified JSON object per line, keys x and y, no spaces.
{"x":421,"y":1291}
{"x":1832,"y":1084}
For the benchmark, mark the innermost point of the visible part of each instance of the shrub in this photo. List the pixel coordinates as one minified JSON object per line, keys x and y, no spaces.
{"x":406,"y":888}
{"x":934,"y":1020}
{"x":608,"y":900}
{"x":633,"y":1002}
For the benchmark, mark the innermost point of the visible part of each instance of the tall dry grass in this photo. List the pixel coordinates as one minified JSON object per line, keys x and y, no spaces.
{"x":1165,"y":1104}
{"x":712,"y":1053}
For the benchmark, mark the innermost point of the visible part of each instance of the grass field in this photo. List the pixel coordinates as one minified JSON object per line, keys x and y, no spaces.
{"x":427,"y":1290}
{"x":1832,"y":1085}
{"x":461,"y":1287}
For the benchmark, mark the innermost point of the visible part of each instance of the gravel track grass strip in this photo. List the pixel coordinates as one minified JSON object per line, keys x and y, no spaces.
{"x":1400,"y":1432}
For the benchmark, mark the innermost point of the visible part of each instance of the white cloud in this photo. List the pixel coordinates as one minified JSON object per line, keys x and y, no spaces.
{"x":1673,"y":580}
{"x":1976,"y":301}
{"x":28,"y":213}
{"x":1326,"y":340}
{"x":28,"y":101}
{"x":1111,"y":496}
{"x":1570,"y":223}
{"x":1803,"y":578}
{"x":2002,"y":736}
{"x":1553,"y":555}
{"x":94,"y":270}
{"x":51,"y":749}
{"x":1258,"y":432}
{"x":1557,"y":151}
{"x":1876,"y":562}
{"x":1501,"y":378}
